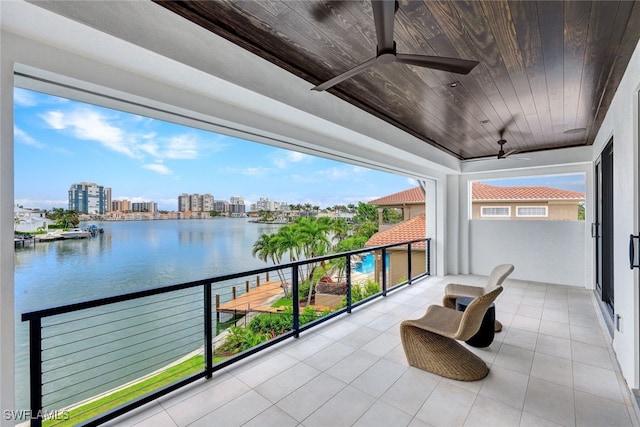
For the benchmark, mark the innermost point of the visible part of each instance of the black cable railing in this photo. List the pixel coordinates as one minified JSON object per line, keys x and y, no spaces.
{"x":93,"y":361}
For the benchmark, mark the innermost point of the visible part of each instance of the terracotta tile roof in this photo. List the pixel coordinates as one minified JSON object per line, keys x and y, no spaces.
{"x":490,"y":192}
{"x":410,"y":229}
{"x":412,"y":195}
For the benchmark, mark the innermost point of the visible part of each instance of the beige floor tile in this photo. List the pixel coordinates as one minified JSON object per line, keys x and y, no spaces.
{"x":488,"y":412}
{"x":343,"y":409}
{"x":514,"y":358}
{"x":448,"y":405}
{"x":272,"y":417}
{"x":553,"y":369}
{"x":550,"y":401}
{"x":596,"y":411}
{"x":554,"y":346}
{"x":600,"y":382}
{"x":506,"y":386}
{"x":411,"y":390}
{"x":380,"y":414}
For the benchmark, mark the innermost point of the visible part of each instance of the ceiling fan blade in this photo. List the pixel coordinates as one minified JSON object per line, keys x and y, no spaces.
{"x":344,"y":76}
{"x":506,"y":125}
{"x":508,"y":153}
{"x":383,"y":15}
{"x":453,"y":65}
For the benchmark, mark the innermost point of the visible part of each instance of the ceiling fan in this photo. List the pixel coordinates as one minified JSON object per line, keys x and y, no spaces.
{"x":383,"y":17}
{"x":504,"y":154}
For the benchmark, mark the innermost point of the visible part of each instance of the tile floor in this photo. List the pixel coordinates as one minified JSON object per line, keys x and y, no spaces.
{"x":552,"y":365}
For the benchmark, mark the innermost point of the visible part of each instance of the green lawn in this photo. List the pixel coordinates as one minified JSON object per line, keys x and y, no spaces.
{"x":125,"y":395}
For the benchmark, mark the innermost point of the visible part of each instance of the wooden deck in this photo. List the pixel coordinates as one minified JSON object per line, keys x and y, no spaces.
{"x":254,"y":299}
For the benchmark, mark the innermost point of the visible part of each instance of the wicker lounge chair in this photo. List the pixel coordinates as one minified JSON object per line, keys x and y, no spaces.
{"x":430,"y":343}
{"x":453,"y":290}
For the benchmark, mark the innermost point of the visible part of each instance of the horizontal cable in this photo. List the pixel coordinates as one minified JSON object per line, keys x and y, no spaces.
{"x":119,"y":310}
{"x":115,"y":350}
{"x":124,"y":319}
{"x":84,"y":380}
{"x":157,"y":364}
{"x":113,"y":341}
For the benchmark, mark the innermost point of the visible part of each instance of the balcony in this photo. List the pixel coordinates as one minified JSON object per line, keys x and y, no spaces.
{"x":553,"y":364}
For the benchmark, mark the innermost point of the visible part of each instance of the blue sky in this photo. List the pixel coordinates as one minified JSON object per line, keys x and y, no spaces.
{"x":59,"y":142}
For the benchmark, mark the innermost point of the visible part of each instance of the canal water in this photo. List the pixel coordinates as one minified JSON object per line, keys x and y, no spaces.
{"x":129,"y":256}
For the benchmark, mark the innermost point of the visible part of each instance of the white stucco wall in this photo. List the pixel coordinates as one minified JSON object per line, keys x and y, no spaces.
{"x":542,"y":251}
{"x":621,"y":123}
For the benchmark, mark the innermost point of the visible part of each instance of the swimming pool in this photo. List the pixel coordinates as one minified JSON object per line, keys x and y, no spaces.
{"x":367,"y":264}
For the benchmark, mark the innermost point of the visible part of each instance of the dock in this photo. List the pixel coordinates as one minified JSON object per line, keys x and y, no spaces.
{"x":253,"y":300}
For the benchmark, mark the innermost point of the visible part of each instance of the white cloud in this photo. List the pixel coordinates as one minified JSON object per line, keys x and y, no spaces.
{"x":93,"y":126}
{"x":112,"y":133}
{"x":255,"y":171}
{"x":290,"y":157}
{"x":412,"y":181}
{"x":24,"y":98}
{"x":42,"y":203}
{"x":181,"y":147}
{"x":336,"y":173}
{"x":159,"y":168}
{"x":24,"y":138}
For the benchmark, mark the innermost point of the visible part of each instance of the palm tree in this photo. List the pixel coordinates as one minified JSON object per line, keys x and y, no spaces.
{"x":339,"y":229}
{"x":286,"y":240}
{"x":265,"y":248}
{"x":315,"y":242}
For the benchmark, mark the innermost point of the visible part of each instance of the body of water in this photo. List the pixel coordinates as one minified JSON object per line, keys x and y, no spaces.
{"x":129,"y":256}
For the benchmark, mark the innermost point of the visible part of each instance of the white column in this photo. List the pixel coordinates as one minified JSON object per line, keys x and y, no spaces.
{"x":7,"y":376}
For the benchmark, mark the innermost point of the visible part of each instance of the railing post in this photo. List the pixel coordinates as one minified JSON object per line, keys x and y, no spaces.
{"x":409,"y":263}
{"x":208,"y":332}
{"x":384,"y":272}
{"x":348,"y":273}
{"x":295,"y":301}
{"x":217,"y":308}
{"x":35,"y":370}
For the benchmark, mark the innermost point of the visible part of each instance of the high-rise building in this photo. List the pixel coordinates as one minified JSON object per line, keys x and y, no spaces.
{"x":121,"y":205}
{"x":144,"y":207}
{"x":183,"y":202}
{"x":195,"y":202}
{"x":89,"y":198}
{"x":236,"y":206}
{"x":207,"y":202}
{"x":221,"y":206}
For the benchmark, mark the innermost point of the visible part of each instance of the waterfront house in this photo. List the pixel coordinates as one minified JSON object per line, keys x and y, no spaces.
{"x":556,"y":80}
{"x":410,"y":229}
{"x":409,"y":203}
{"x":30,"y":220}
{"x":531,"y":202}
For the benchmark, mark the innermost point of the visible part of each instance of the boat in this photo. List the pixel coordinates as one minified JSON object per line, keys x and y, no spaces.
{"x":75,"y":233}
{"x":93,"y":229}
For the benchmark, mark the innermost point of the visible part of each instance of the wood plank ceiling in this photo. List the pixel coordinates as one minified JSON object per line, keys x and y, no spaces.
{"x":548,"y":69}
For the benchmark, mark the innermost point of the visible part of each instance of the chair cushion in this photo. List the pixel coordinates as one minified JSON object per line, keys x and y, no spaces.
{"x":440,"y":320}
{"x":455,"y":290}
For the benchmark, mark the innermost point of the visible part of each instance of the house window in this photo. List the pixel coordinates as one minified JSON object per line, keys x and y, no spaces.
{"x":532,"y":211}
{"x":495,"y":211}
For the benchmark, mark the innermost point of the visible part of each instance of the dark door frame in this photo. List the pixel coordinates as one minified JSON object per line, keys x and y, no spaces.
{"x":603,"y":231}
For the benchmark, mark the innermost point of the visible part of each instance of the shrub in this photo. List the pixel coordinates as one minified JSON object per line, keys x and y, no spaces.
{"x":241,"y":339}
{"x":358,"y":293}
